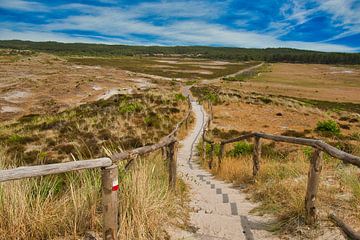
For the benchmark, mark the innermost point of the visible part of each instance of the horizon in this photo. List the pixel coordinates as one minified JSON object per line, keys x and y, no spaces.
{"x":327,"y":26}
{"x":172,"y":46}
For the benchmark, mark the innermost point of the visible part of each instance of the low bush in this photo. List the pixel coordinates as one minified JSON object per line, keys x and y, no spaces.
{"x":241,"y":148}
{"x":180,"y":97}
{"x":328,"y":127}
{"x":126,"y":107}
{"x":152,"y":120}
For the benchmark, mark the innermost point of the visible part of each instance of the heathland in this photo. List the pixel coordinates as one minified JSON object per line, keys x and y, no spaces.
{"x":65,"y":102}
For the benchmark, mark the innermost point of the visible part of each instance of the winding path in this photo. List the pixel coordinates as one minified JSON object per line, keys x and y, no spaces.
{"x":219,"y":211}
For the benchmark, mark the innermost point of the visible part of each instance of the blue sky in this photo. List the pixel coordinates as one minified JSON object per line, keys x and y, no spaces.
{"x":325,"y":25}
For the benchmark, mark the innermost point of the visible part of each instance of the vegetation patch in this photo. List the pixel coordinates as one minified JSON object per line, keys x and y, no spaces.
{"x":87,"y":130}
{"x":328,"y":127}
{"x":68,"y":205}
{"x":241,"y":148}
{"x":332,"y":106}
{"x":207,"y":94}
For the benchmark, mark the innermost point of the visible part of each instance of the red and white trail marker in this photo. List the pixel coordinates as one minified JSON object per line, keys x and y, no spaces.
{"x":115,"y":185}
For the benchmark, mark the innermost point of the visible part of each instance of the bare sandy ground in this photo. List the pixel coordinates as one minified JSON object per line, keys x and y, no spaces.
{"x":44,"y":83}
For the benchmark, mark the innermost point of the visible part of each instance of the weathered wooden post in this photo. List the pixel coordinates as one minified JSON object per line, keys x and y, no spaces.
{"x":221,"y":154}
{"x":164,"y":153}
{"x":312,"y":186}
{"x":110,"y":186}
{"x":203,"y":146}
{"x":172,"y":165}
{"x":211,"y":156}
{"x":256,"y":155}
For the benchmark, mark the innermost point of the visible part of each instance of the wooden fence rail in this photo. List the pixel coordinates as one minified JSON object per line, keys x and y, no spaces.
{"x":315,"y":162}
{"x":109,"y":173}
{"x":42,"y":170}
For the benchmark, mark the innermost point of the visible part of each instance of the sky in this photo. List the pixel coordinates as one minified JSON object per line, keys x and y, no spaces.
{"x":324,"y":25}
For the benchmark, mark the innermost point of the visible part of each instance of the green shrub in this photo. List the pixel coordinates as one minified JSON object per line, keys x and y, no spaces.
{"x":216,"y":149}
{"x":308,"y":151}
{"x":126,"y":107}
{"x":241,"y":148}
{"x":328,"y":127}
{"x":180,"y":97}
{"x":212,"y":97}
{"x":152,"y":120}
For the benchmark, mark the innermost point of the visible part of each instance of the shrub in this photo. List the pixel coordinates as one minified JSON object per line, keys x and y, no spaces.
{"x":216,"y":149}
{"x":328,"y":126}
{"x":180,"y":97}
{"x":152,"y":120}
{"x":241,"y":148}
{"x":126,"y":107}
{"x":212,"y":97}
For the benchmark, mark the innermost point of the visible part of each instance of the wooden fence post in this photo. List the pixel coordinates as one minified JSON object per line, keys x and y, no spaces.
{"x":211,"y":157}
{"x":203,"y":146}
{"x":256,"y":155}
{"x":172,"y":165}
{"x":164,"y":153}
{"x":110,"y":186}
{"x":221,"y":154}
{"x":312,"y":186}
{"x":208,"y":123}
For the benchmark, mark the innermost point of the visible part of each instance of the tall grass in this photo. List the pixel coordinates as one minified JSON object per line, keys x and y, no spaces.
{"x":280,"y":187}
{"x":68,"y":205}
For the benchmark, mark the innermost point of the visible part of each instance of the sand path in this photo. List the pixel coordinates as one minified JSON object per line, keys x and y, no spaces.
{"x":219,"y":211}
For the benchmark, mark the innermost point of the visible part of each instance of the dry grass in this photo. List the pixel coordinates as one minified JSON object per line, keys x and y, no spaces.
{"x":280,"y":185}
{"x":67,"y":205}
{"x":313,"y":81}
{"x":280,"y":188}
{"x":123,"y":121}
{"x":175,"y":67}
{"x":147,"y":205}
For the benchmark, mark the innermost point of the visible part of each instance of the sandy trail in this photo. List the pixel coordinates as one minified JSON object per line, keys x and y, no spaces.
{"x":232,"y":75}
{"x":219,"y":211}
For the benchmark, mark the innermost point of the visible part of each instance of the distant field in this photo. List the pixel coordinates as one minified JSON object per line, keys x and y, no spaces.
{"x":312,"y":81}
{"x":178,"y":68}
{"x":43,"y":83}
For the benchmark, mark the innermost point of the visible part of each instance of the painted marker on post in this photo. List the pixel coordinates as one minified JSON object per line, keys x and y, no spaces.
{"x":115,"y":185}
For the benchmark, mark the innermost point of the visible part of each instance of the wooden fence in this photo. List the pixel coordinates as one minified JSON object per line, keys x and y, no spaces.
{"x":314,"y":171}
{"x":109,"y":173}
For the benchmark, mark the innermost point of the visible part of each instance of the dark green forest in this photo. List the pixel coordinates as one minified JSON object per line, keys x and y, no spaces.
{"x":221,"y":53}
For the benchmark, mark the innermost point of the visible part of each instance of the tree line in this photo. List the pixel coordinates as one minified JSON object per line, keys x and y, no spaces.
{"x":221,"y":53}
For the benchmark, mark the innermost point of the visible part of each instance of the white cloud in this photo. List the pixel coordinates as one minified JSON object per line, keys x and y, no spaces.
{"x":293,"y":13}
{"x":124,"y":25}
{"x":23,"y":5}
{"x":182,"y":9}
{"x":344,"y":13}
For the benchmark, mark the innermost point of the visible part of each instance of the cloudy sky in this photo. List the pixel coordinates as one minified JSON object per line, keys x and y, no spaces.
{"x":325,"y":25}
